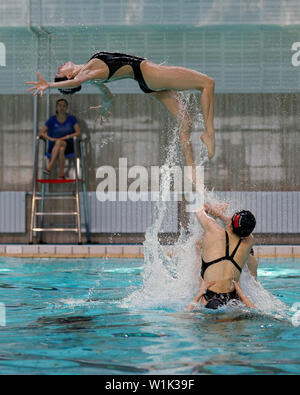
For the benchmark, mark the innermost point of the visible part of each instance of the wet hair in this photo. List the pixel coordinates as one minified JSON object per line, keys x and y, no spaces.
{"x":243,"y":223}
{"x":66,"y":91}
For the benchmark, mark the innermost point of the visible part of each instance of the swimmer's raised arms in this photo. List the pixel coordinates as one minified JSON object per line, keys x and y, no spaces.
{"x":160,"y":81}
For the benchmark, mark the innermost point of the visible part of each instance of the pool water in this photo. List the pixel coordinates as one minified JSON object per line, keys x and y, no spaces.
{"x":74,"y":317}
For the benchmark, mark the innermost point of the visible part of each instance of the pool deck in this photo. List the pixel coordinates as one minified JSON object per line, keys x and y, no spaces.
{"x":120,"y":251}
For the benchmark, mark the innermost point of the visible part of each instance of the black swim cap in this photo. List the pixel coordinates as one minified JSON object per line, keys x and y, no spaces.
{"x":243,"y":223}
{"x":67,"y":91}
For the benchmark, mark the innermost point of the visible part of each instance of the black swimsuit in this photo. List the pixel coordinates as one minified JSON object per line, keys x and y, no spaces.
{"x":116,"y":60}
{"x":215,"y":300}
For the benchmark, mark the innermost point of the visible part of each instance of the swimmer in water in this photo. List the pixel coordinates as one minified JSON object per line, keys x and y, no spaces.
{"x":159,"y":81}
{"x":224,"y":254}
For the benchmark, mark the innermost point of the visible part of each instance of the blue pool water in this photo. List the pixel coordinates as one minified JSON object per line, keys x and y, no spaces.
{"x":77,"y":317}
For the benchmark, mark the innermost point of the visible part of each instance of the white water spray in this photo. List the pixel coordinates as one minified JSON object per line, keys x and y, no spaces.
{"x":172,"y":282}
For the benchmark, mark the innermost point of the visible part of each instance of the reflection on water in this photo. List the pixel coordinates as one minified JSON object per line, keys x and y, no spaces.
{"x":63,"y":331}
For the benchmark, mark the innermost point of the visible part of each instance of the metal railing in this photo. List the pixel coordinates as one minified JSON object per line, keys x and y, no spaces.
{"x":78,"y":161}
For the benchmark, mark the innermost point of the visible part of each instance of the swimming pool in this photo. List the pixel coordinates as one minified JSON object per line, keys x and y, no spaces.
{"x":76,"y":317}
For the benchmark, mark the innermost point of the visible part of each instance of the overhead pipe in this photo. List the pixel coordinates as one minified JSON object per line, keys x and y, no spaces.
{"x":44,"y":30}
{"x":39,"y":30}
{"x":35,"y":98}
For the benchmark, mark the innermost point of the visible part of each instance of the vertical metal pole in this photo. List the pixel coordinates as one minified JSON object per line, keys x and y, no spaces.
{"x":35,"y":127}
{"x":45,"y":31}
{"x":85,"y":203}
{"x":42,"y":205}
{"x":33,"y":204}
{"x":35,"y":166}
{"x":77,"y":191}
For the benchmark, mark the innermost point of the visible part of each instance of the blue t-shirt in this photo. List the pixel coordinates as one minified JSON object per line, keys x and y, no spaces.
{"x":58,"y":130}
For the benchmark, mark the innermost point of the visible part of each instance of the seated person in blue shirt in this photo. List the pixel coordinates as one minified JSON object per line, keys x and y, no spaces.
{"x":59,"y":130}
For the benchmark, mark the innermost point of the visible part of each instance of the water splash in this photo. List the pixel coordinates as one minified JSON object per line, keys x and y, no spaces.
{"x":106,"y":140}
{"x":168,"y":281}
{"x":172,"y":281}
{"x":264,"y":301}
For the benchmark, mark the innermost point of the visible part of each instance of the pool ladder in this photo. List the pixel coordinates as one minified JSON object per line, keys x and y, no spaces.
{"x":44,"y":194}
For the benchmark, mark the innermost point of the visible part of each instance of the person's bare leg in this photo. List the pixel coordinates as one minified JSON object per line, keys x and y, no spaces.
{"x":207,"y":106}
{"x":173,"y":103}
{"x":54,"y":154}
{"x":180,"y":78}
{"x":171,"y":100}
{"x":61,"y":158}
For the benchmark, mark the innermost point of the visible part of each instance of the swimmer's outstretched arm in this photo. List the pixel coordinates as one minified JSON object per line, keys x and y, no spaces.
{"x":42,"y":85}
{"x":242,"y":296}
{"x":203,"y":288}
{"x":107,"y":96}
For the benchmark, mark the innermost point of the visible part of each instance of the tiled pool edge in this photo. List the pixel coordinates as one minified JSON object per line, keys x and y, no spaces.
{"x":121,"y":251}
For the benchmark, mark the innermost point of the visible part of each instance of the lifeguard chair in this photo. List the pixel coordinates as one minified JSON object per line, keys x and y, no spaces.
{"x":40,"y":193}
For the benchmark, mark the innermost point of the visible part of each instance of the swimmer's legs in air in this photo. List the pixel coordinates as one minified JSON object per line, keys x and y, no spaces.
{"x":172,"y":78}
{"x":174,"y":104}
